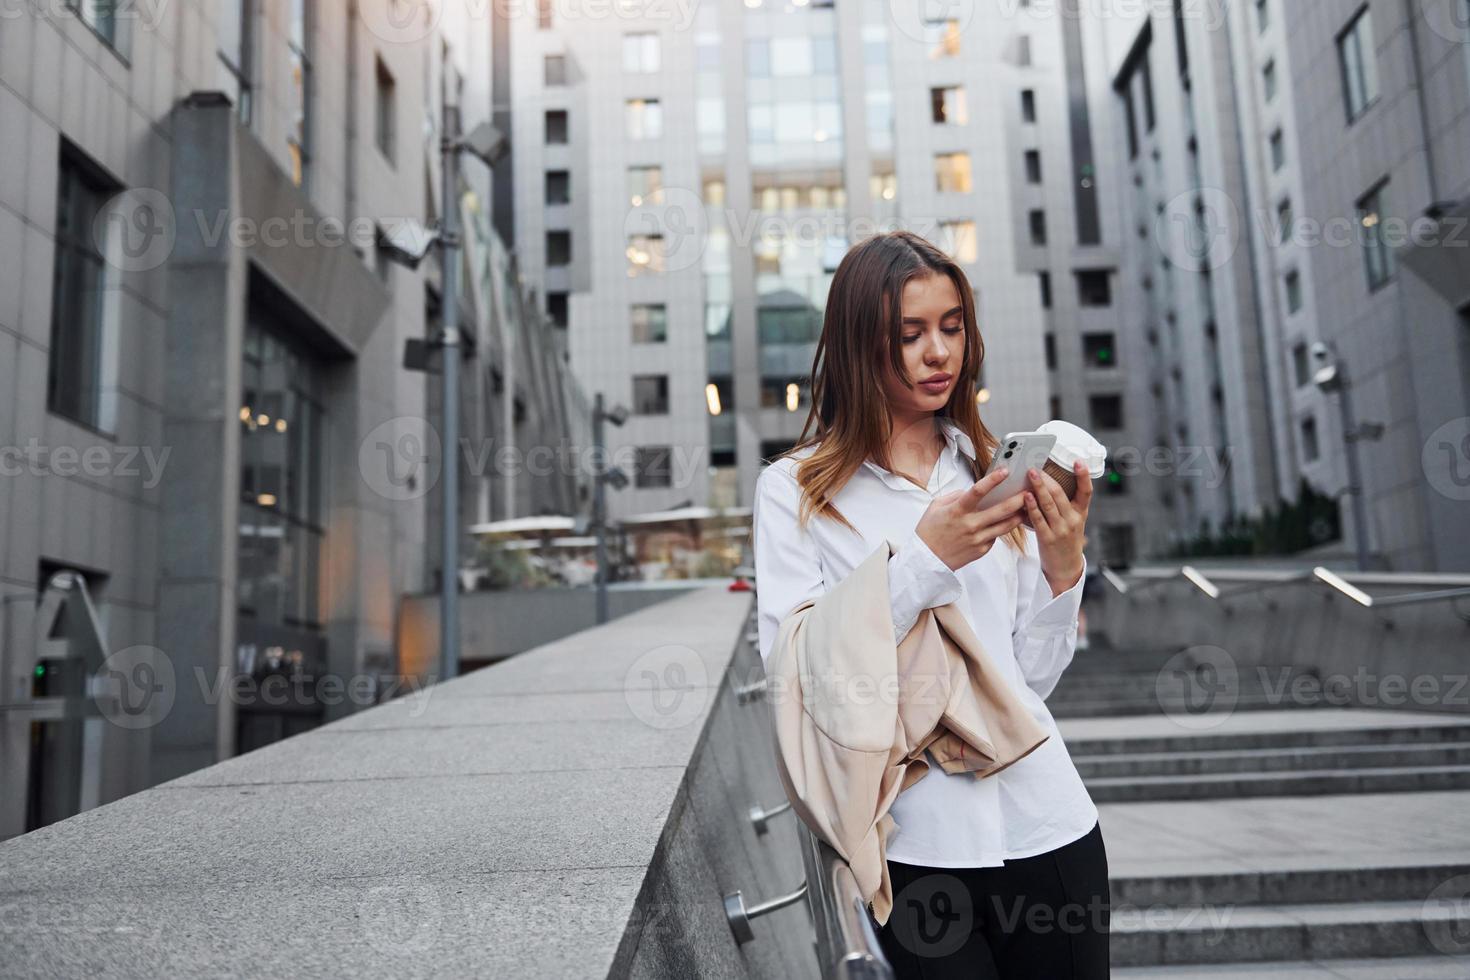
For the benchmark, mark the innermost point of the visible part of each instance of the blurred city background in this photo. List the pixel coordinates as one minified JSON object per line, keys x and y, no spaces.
{"x":251,"y":249}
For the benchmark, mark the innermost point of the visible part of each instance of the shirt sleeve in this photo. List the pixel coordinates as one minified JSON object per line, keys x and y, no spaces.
{"x":788,"y":570}
{"x":1045,"y":636}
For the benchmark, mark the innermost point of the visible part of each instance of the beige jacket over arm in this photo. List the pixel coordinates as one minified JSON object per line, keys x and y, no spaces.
{"x":853,"y":714}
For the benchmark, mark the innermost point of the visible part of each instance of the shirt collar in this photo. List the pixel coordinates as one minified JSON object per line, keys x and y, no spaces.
{"x":956,"y":441}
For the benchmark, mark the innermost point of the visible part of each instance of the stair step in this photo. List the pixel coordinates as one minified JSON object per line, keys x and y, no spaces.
{"x":1240,"y":934}
{"x":1287,"y":759}
{"x":1306,"y":885}
{"x":1386,"y":968}
{"x":1150,"y":704}
{"x":1304,"y":783}
{"x":1286,"y":738}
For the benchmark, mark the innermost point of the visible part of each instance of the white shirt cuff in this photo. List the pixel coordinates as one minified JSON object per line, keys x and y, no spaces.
{"x":1051,"y":614}
{"x":918,"y":580}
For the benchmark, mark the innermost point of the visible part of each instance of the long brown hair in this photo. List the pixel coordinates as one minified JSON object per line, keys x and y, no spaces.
{"x":849,"y":420}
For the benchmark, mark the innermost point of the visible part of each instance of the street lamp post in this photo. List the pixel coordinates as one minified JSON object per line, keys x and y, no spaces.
{"x":407,"y":244}
{"x":449,"y":407}
{"x":1332,"y":378}
{"x":604,"y":475}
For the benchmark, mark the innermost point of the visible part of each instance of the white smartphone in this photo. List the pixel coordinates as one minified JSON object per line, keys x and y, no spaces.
{"x":1018,"y":452}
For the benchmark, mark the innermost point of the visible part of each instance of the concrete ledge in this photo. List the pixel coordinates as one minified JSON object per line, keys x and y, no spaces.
{"x":577,"y":811}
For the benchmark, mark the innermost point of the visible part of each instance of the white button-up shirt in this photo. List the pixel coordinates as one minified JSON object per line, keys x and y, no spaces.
{"x":948,"y":821}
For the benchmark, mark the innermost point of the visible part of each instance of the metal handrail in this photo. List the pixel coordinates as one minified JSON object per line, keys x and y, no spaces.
{"x":1258,"y":579}
{"x":847,"y":938}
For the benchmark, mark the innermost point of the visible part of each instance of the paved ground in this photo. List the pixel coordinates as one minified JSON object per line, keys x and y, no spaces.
{"x":1291,"y":832}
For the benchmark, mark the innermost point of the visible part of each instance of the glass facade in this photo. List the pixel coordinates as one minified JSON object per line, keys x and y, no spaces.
{"x":282,"y":513}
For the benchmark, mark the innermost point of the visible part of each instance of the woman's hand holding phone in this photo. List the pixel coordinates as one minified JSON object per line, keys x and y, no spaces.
{"x":1060,"y":525}
{"x":958,"y":532}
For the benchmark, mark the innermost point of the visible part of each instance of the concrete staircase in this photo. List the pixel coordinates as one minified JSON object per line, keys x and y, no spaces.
{"x":1285,"y":843}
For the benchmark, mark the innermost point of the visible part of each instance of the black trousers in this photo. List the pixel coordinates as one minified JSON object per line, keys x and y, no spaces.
{"x":1043,"y":917}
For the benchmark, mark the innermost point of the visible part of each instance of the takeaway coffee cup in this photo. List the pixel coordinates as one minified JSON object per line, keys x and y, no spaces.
{"x":1073,"y":444}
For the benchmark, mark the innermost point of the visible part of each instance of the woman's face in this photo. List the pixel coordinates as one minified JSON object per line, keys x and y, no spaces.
{"x":933,"y":343}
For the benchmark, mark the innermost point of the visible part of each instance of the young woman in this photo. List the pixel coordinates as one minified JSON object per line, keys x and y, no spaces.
{"x":999,"y":877}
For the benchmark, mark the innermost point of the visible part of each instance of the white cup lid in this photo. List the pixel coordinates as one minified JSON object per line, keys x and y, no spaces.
{"x":1074,"y":443}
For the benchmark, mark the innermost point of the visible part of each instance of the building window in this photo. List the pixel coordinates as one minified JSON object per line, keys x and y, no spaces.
{"x":959,"y":241}
{"x":1033,"y":166}
{"x":1028,"y":105}
{"x":1146,"y":83}
{"x":1095,"y":287}
{"x":1301,"y":372}
{"x":1106,"y":412}
{"x":81,"y":381}
{"x":558,"y":187}
{"x":1099,"y":350}
{"x":640,"y":53}
{"x":650,"y":394}
{"x":556,"y":127}
{"x":1359,"y":63}
{"x":383,"y":129}
{"x":645,"y":185}
{"x":1045,"y":280}
{"x":645,"y":119}
{"x":236,"y":44}
{"x":650,"y":322}
{"x":1377,"y":259}
{"x":101,"y":17}
{"x":282,"y":514}
{"x":1049,"y":350}
{"x":942,"y":38}
{"x":556,"y":69}
{"x":299,"y":50}
{"x":1023,"y":51}
{"x":651,"y":467}
{"x":1293,"y":291}
{"x":1278,"y":150}
{"x":556,"y":308}
{"x":1263,"y":16}
{"x":1037,"y":220}
{"x":1119,"y":549}
{"x":1268,"y":80}
{"x":645,"y":255}
{"x":947,"y":105}
{"x":952,"y":172}
{"x":1130,"y":117}
{"x":1311,"y":448}
{"x":543,"y":14}
{"x":558,"y":248}
{"x":1284,"y":219}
